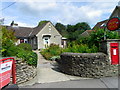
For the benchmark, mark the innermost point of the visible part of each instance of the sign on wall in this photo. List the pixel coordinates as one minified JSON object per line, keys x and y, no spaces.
{"x":113,"y":24}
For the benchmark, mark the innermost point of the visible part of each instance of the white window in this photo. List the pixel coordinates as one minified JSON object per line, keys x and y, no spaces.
{"x":46,"y":40}
{"x":25,"y":41}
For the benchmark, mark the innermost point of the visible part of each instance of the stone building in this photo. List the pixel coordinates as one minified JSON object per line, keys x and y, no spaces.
{"x":38,"y":37}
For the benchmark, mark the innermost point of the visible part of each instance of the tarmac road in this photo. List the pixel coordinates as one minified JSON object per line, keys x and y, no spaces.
{"x":108,"y":83}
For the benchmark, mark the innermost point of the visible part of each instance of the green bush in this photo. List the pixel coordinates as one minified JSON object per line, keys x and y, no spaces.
{"x":31,"y":58}
{"x":52,"y":50}
{"x":25,"y":52}
{"x":80,"y":48}
{"x":28,"y":56}
{"x":25,"y":46}
{"x":8,"y":40}
{"x":22,"y":54}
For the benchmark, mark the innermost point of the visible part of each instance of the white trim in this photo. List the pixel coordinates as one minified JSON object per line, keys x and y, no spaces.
{"x":45,"y":34}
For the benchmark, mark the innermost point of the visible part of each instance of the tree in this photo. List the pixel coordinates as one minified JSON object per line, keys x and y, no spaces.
{"x":78,"y":26}
{"x":42,"y":22}
{"x":62,"y":29}
{"x":82,"y":26}
{"x":70,"y":28}
{"x":74,"y":35}
{"x":8,"y":43}
{"x":75,"y":30}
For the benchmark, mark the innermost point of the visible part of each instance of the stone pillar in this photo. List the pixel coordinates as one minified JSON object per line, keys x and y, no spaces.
{"x":105,"y":47}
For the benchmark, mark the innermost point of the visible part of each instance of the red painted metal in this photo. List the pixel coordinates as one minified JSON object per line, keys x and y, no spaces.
{"x":14,"y":72}
{"x":7,"y":68}
{"x":113,"y":24}
{"x":114,"y":53}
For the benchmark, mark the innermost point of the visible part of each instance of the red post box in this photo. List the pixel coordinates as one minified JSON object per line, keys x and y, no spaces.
{"x":114,"y":47}
{"x":7,"y":68}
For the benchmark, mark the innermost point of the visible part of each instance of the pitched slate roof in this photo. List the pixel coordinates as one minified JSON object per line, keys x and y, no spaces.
{"x":20,"y":31}
{"x":100,"y":24}
{"x":37,"y":29}
{"x":86,"y":33}
{"x":26,"y":31}
{"x":115,"y":12}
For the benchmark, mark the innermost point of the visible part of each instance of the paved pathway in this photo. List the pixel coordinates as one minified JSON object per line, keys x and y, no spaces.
{"x":49,"y":77}
{"x":47,"y":73}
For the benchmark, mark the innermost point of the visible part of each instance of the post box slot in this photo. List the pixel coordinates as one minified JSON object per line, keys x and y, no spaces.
{"x":114,"y":46}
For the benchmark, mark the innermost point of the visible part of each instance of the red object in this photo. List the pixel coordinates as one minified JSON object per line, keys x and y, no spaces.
{"x":114,"y":53}
{"x":21,"y":40}
{"x":14,"y":72}
{"x":7,"y":68}
{"x":113,"y":24}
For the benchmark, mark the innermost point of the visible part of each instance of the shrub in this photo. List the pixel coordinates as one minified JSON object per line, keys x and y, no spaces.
{"x":22,"y":54}
{"x":8,"y":46}
{"x":47,"y":55}
{"x":25,"y":46}
{"x":31,"y":58}
{"x":81,"y":48}
{"x":25,"y":52}
{"x":28,"y":56}
{"x":52,"y":50}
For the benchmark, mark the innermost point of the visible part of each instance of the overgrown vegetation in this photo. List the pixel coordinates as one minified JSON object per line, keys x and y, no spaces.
{"x":97,"y":36}
{"x":80,"y":48}
{"x":23,"y":50}
{"x":25,"y":46}
{"x":52,"y":50}
{"x":8,"y":46}
{"x":88,"y":44}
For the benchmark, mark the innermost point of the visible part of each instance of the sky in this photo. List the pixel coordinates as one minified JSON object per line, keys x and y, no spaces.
{"x":28,"y":13}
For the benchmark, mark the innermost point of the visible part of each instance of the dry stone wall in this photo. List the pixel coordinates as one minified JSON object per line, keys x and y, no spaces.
{"x":24,"y":72}
{"x":91,"y":65}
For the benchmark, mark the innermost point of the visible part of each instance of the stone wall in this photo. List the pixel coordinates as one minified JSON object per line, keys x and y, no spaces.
{"x":24,"y":72}
{"x":91,"y":65}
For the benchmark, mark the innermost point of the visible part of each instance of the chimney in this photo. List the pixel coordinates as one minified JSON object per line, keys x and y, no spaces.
{"x":14,"y":24}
